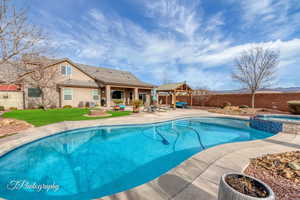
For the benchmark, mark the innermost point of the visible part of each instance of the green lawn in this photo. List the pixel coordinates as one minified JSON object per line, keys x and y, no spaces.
{"x":40,"y":117}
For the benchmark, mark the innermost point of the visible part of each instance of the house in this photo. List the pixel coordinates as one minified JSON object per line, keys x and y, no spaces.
{"x":79,"y":85}
{"x":11,"y":96}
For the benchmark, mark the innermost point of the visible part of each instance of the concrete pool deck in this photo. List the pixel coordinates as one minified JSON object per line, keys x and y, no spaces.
{"x":196,"y":178}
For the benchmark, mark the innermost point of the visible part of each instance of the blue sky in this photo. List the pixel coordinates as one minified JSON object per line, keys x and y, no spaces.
{"x":174,"y":40}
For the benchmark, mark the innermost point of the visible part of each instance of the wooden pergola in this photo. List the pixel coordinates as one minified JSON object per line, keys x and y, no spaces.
{"x":175,"y":89}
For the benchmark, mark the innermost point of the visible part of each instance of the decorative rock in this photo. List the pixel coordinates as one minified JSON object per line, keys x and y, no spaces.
{"x":287,"y":174}
{"x":294,"y":165}
{"x":12,"y":126}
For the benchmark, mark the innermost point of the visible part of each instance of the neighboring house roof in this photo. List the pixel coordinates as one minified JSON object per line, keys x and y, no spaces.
{"x":9,"y":87}
{"x":170,"y":86}
{"x":80,"y":83}
{"x":112,"y":76}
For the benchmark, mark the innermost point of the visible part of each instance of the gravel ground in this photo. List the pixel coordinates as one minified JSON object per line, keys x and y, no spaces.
{"x":271,"y":170}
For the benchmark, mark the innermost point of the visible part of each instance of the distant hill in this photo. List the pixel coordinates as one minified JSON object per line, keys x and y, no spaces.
{"x":269,"y":90}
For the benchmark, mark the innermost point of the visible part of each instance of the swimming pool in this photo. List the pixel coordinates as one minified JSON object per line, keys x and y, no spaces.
{"x":94,"y":162}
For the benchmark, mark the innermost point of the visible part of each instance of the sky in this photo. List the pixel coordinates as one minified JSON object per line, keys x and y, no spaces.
{"x":172,"y":40}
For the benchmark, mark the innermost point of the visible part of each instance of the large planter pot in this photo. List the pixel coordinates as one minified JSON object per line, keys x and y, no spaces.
{"x":136,"y":109}
{"x":226,"y":192}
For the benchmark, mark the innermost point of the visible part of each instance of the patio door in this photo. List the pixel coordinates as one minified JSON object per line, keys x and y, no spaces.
{"x":142,"y":97}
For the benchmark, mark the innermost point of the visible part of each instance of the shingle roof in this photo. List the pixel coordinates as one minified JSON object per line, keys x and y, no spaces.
{"x":170,"y":86}
{"x":101,"y":74}
{"x":9,"y":87}
{"x":71,"y":82}
{"x":112,"y":76}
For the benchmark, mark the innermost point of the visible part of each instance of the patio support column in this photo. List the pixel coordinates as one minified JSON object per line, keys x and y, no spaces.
{"x":136,"y":93}
{"x":174,"y":100}
{"x":108,"y":95}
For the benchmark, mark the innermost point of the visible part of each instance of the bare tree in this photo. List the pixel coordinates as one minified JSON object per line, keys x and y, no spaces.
{"x":202,"y":94}
{"x":42,"y":77}
{"x":17,"y":37}
{"x":255,"y":69}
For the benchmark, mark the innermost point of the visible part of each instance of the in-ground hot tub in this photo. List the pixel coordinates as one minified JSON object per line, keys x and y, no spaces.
{"x":276,"y":123}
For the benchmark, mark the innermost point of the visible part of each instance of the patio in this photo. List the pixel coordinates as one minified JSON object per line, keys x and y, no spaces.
{"x":196,"y":178}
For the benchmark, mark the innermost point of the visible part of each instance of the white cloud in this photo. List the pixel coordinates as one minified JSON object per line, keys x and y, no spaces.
{"x":183,"y":44}
{"x":276,"y":19}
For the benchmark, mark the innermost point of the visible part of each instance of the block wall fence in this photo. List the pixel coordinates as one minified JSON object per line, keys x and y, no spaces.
{"x":262,"y":100}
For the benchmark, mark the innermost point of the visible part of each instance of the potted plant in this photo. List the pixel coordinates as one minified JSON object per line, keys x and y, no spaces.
{"x":136,"y":105}
{"x":118,"y":103}
{"x":236,"y":186}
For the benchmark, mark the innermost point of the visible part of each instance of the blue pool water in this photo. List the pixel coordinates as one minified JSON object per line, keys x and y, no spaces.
{"x":99,"y":161}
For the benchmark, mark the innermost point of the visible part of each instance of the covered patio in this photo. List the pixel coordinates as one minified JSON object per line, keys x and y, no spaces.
{"x":167,"y":93}
{"x":125,"y":93}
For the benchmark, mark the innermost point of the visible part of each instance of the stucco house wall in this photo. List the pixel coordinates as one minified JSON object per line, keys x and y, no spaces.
{"x":80,"y":96}
{"x":55,"y":94}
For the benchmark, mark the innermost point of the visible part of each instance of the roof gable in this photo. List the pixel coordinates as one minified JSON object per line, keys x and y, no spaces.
{"x":174,"y":86}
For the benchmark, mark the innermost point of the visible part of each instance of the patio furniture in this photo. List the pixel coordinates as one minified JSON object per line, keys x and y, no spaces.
{"x":149,"y":108}
{"x":181,"y":104}
{"x":122,"y":107}
{"x":154,"y":108}
{"x":164,"y":108}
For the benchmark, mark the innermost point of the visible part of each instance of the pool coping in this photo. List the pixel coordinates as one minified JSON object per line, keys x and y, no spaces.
{"x":195,"y":178}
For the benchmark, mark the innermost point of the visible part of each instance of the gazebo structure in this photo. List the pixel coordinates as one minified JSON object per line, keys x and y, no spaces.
{"x":172,"y":90}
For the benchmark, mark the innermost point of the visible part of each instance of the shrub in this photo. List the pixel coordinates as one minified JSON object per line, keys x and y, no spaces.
{"x":87,"y":104}
{"x":118,"y":101}
{"x":2,"y":108}
{"x":13,"y":108}
{"x":226,"y":104}
{"x":67,"y":106}
{"x":243,"y":106}
{"x":40,"y":107}
{"x":136,"y":105}
{"x":294,"y":107}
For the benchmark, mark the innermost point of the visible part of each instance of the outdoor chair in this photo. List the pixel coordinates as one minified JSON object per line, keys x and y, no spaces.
{"x":163,"y":108}
{"x":149,"y":108}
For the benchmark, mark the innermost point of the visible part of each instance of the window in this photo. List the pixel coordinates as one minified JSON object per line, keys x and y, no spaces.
{"x":66,"y":70}
{"x":95,"y":94}
{"x":116,"y":94}
{"x":68,"y":94}
{"x":34,"y":92}
{"x":5,"y":96}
